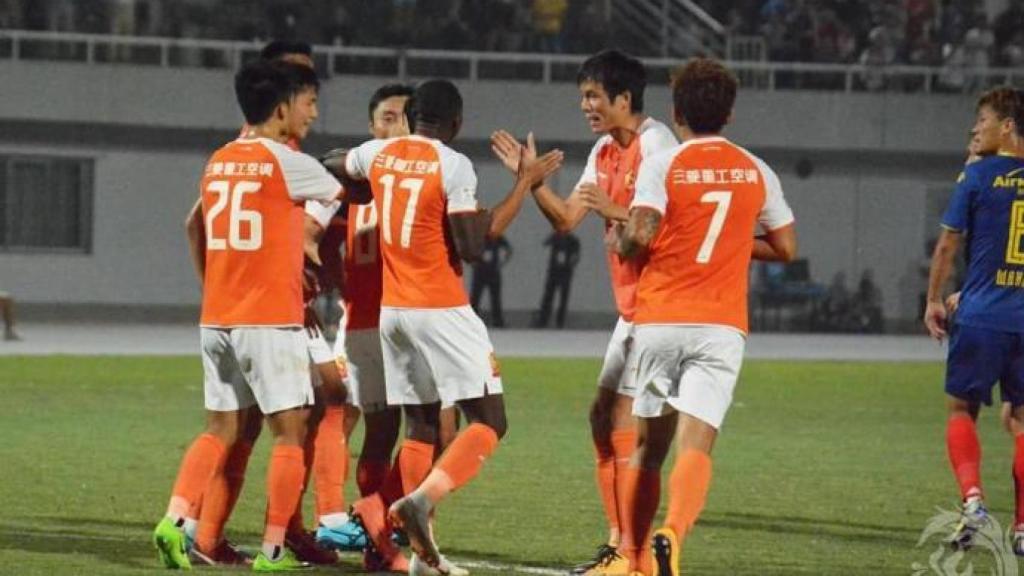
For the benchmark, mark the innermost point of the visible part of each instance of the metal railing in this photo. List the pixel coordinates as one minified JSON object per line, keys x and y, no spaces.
{"x":94,"y":49}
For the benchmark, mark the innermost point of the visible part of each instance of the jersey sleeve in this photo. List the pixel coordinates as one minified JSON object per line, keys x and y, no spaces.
{"x":776,"y":212}
{"x":656,"y":140}
{"x":460,"y":184}
{"x":957,"y":215}
{"x":359,"y":160}
{"x":304,"y":176}
{"x":590,"y":170}
{"x":650,"y":182}
{"x":322,"y":213}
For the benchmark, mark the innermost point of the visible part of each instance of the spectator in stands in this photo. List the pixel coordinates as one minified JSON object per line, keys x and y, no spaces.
{"x":879,"y":54}
{"x":978,"y":44}
{"x":548,"y":19}
{"x":1006,"y":32}
{"x":1012,"y":52}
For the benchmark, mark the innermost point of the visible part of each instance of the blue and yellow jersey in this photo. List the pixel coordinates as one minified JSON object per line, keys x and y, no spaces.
{"x":988,"y":208}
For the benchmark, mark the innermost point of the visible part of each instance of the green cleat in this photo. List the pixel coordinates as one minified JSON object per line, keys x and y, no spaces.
{"x":170,"y":545}
{"x":286,"y":563}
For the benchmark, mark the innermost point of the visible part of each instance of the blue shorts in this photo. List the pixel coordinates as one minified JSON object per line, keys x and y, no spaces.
{"x":978,"y":358}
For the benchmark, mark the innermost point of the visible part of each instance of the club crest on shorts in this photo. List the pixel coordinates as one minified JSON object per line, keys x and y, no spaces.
{"x":495,"y":365}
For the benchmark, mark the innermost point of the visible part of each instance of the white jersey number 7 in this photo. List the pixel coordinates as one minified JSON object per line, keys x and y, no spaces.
{"x":721,"y":199}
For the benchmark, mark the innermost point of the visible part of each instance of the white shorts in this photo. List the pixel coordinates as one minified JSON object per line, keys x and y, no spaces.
{"x":361,"y":362}
{"x":264,"y":366}
{"x":433,"y":355}
{"x":319,"y":350}
{"x":618,"y":373}
{"x":692,"y":369}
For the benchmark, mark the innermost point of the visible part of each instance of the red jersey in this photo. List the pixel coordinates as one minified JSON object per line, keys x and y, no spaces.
{"x":712,"y":195}
{"x":614,"y":169}
{"x":252,"y":195}
{"x":363,"y":268}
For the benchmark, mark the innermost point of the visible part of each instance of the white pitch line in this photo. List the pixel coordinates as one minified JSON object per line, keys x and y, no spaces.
{"x":502,"y":567}
{"x":465,"y":563}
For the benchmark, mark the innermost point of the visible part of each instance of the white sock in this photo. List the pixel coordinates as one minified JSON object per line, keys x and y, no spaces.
{"x":272,"y":551}
{"x":334,"y":520}
{"x":191,"y":527}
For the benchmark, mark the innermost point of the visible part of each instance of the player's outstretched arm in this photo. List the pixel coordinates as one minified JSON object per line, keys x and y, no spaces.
{"x":935,"y":313}
{"x":777,"y":245}
{"x":471,"y":230}
{"x":195,"y":232}
{"x":563,"y":214}
{"x":636,"y":237}
{"x":357,"y":190}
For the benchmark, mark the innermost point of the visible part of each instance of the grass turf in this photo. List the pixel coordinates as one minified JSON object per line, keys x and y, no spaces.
{"x":822,"y":468}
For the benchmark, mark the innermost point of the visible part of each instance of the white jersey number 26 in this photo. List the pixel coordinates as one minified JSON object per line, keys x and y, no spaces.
{"x":237,"y":217}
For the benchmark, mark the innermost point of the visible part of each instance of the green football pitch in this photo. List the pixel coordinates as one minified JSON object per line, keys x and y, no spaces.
{"x":822,"y":468}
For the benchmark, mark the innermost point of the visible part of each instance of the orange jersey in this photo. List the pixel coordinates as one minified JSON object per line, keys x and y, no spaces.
{"x":416,"y":183}
{"x":252,"y":195}
{"x":712,"y":194}
{"x":614,"y":169}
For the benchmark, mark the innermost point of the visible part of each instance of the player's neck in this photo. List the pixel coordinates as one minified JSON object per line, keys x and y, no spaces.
{"x":270,"y":130}
{"x":430,"y":130}
{"x":686,"y":134}
{"x":624,"y":133}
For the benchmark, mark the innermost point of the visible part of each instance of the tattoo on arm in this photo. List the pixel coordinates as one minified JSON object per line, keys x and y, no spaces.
{"x":640,"y":230}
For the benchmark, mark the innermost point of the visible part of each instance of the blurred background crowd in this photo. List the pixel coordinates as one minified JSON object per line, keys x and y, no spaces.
{"x":920,"y":32}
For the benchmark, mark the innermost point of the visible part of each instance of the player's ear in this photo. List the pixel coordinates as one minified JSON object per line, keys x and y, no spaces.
{"x":456,"y":125}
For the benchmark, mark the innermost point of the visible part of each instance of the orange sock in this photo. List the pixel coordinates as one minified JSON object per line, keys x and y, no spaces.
{"x":414,"y":463}
{"x":688,"y":489}
{"x":284,"y":490}
{"x":964,"y":454}
{"x":220,"y":497}
{"x":370,"y":475}
{"x":605,"y":472}
{"x":330,"y":462}
{"x":623,"y":443}
{"x":461,"y":461}
{"x":296,"y":524}
{"x":202,"y":460}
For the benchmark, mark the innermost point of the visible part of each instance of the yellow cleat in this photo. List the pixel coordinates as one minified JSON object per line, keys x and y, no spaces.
{"x":666,"y":552}
{"x":613,"y":565}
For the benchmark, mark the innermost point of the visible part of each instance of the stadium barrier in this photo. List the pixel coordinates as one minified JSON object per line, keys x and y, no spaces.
{"x":403,"y":63}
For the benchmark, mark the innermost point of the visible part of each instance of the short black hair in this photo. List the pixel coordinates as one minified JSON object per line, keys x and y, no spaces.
{"x":260,"y":86}
{"x":389,"y":91}
{"x":278,"y":48}
{"x":618,"y":73}
{"x":703,"y":94}
{"x":434,"y":101}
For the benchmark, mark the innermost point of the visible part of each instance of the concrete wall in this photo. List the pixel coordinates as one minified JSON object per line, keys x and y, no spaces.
{"x":864,"y":206}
